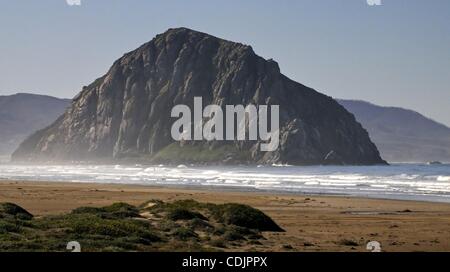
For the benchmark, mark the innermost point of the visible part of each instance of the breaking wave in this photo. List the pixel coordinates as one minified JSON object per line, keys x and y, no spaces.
{"x":400,"y":181}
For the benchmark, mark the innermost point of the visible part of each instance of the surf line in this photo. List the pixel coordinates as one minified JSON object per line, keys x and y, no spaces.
{"x":251,"y":120}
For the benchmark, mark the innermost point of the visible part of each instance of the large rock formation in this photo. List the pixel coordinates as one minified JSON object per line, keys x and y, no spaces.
{"x":126,"y":113}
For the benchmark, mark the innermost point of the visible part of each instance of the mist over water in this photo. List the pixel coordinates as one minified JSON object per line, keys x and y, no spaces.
{"x":399,"y":181}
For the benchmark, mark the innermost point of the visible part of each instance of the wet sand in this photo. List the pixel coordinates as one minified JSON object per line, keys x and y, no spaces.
{"x":312,"y":223}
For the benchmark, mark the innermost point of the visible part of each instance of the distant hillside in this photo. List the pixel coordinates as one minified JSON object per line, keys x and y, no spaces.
{"x":22,"y":114}
{"x":402,"y":135}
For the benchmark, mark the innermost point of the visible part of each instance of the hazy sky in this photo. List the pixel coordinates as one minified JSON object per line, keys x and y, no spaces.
{"x":396,"y":54}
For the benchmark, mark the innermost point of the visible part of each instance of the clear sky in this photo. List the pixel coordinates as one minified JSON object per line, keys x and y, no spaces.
{"x":396,"y":54}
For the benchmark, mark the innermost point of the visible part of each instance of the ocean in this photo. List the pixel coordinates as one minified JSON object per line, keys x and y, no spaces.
{"x":398,"y":181}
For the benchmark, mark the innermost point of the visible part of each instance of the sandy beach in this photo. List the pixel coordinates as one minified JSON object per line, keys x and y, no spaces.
{"x":312,"y":223}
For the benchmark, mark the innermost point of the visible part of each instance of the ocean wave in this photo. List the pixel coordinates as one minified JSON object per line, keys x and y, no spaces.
{"x":402,"y":181}
{"x":443,"y":178}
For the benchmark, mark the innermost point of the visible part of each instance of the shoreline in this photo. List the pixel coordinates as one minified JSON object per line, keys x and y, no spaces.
{"x":401,"y":182}
{"x":312,"y":222}
{"x":240,"y":189}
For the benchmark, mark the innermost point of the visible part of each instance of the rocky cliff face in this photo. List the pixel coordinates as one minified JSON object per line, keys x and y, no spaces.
{"x":126,"y":113}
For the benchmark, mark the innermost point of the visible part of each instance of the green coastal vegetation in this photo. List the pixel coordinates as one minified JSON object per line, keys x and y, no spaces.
{"x":184,"y":225}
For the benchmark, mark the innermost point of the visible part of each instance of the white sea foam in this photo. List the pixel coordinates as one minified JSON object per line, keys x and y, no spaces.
{"x":443,"y":178}
{"x":398,"y":181}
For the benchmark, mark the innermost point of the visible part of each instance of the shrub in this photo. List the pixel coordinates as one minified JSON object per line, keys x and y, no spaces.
{"x":218,"y":243}
{"x":199,"y":224}
{"x":232,"y":235}
{"x":116,"y":210}
{"x":112,"y":228}
{"x":6,"y":227}
{"x":244,"y":216}
{"x":10,"y":209}
{"x":184,"y":214}
{"x":184,"y":234}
